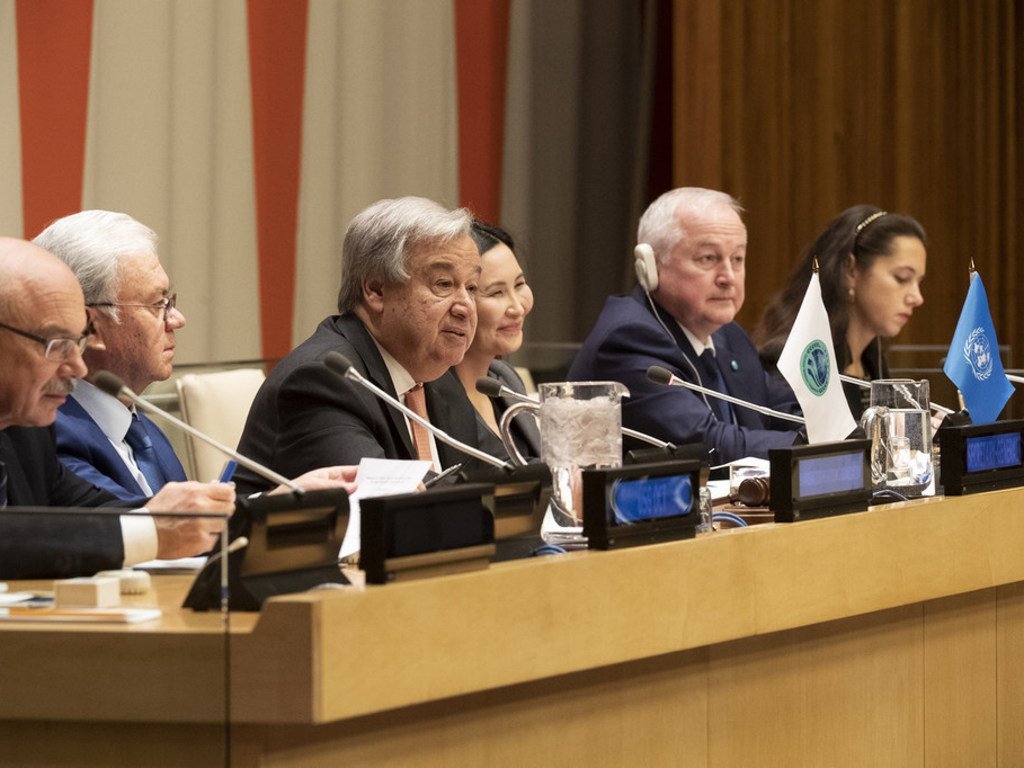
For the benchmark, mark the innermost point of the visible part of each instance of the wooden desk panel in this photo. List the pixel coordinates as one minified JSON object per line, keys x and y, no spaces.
{"x":892,"y":637}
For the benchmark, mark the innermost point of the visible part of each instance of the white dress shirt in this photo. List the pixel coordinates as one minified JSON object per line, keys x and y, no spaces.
{"x":698,"y":345}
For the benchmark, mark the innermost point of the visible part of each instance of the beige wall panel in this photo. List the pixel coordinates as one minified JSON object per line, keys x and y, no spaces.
{"x":601,"y":718}
{"x":380,"y":121}
{"x":864,"y":672}
{"x":169,"y":141}
{"x":1010,"y":673}
{"x":10,"y":131}
{"x":960,"y":680}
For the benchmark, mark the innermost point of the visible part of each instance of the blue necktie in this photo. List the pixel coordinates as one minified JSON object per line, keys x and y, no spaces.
{"x":713,"y":380}
{"x":145,"y":454}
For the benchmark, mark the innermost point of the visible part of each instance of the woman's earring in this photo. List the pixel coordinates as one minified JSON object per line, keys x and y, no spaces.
{"x":852,"y":295}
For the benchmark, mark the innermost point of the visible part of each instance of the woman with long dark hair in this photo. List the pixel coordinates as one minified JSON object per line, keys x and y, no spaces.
{"x":870,"y":266}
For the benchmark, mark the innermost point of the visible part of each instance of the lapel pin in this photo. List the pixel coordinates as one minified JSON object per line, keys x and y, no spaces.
{"x":734,"y":365}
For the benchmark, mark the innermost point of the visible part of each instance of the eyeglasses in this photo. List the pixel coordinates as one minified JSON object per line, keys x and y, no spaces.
{"x":59,"y":349}
{"x":165,"y":305}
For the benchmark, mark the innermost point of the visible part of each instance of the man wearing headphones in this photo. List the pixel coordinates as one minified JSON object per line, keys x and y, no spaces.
{"x":690,"y":269}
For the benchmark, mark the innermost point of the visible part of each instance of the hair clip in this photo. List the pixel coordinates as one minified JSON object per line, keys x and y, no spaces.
{"x":868,"y":220}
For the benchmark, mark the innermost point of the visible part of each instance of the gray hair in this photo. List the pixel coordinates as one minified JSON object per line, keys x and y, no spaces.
{"x":381,"y":238}
{"x":92,"y":243}
{"x":659,"y":226}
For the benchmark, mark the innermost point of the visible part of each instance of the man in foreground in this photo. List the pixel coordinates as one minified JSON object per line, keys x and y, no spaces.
{"x":43,"y":330}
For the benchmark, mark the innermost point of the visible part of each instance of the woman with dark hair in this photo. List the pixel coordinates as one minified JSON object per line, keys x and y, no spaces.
{"x":870,"y":266}
{"x":503,"y":300}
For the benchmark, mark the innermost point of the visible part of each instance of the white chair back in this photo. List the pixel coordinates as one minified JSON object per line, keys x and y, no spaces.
{"x":217,"y":404}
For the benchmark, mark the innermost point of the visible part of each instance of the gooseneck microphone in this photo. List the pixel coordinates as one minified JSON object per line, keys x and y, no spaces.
{"x":485,"y":385}
{"x":863,"y":384}
{"x":660,"y":375}
{"x":114,"y":387}
{"x":340,"y":365}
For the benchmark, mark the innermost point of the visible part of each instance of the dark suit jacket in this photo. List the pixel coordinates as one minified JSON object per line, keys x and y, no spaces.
{"x":524,"y":428}
{"x":34,"y":546}
{"x":84,"y":449}
{"x":305,"y":416}
{"x":628,"y":339}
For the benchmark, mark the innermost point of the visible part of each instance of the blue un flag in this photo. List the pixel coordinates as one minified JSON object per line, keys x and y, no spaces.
{"x":973,"y":362}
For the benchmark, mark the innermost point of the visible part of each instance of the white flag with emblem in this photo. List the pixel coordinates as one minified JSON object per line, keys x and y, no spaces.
{"x":808,"y":363}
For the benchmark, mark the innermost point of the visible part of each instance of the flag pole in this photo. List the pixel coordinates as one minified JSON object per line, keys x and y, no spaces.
{"x":971,"y":271}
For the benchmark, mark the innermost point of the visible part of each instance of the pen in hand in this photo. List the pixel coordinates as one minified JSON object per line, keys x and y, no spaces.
{"x":228,"y":471}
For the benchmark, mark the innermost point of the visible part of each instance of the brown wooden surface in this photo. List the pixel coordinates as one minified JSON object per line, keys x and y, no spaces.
{"x":890,"y":637}
{"x":802,"y":108}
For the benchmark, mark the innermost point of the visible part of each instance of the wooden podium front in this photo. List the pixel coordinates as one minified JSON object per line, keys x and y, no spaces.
{"x":889,"y":637}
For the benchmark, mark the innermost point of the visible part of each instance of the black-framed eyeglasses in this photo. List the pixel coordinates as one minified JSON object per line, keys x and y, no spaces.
{"x":58,"y":349}
{"x":165,"y":305}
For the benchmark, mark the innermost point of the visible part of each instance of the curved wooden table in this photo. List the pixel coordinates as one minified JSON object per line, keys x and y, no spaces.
{"x":890,"y":637}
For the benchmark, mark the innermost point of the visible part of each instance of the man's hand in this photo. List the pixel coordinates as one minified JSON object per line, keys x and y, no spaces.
{"x":325,"y":477}
{"x":183,"y":536}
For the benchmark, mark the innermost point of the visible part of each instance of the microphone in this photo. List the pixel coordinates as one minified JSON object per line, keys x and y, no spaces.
{"x":485,"y":385}
{"x":114,"y":387}
{"x":660,"y":375}
{"x":342,"y":366}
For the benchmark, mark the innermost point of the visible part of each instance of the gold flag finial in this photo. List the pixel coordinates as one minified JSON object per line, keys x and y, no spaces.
{"x":971,"y":270}
{"x":815,"y":265}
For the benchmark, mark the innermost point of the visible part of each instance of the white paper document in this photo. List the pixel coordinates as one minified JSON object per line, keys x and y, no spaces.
{"x":13,"y":598}
{"x":379,"y":477}
{"x":748,"y":461}
{"x":90,"y":615}
{"x":181,"y":565}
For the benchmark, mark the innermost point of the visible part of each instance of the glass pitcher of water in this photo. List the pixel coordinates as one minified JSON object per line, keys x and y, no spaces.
{"x":899,"y":426}
{"x":580,"y":428}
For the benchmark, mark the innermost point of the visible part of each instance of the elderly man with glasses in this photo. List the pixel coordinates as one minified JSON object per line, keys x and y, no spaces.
{"x":133,"y":311}
{"x":43,"y":330}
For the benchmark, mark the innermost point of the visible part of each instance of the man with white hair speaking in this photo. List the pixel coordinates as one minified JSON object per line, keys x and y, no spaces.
{"x":406,"y":314}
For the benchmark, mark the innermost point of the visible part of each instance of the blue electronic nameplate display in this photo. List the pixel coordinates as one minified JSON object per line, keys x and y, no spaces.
{"x":651,"y":498}
{"x":989,"y":452}
{"x":837,"y":473}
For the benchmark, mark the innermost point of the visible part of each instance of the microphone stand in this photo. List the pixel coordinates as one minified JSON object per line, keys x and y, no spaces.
{"x":112,"y":385}
{"x":867,"y":385}
{"x":341,"y":366}
{"x":493,"y":389}
{"x":660,"y":375}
